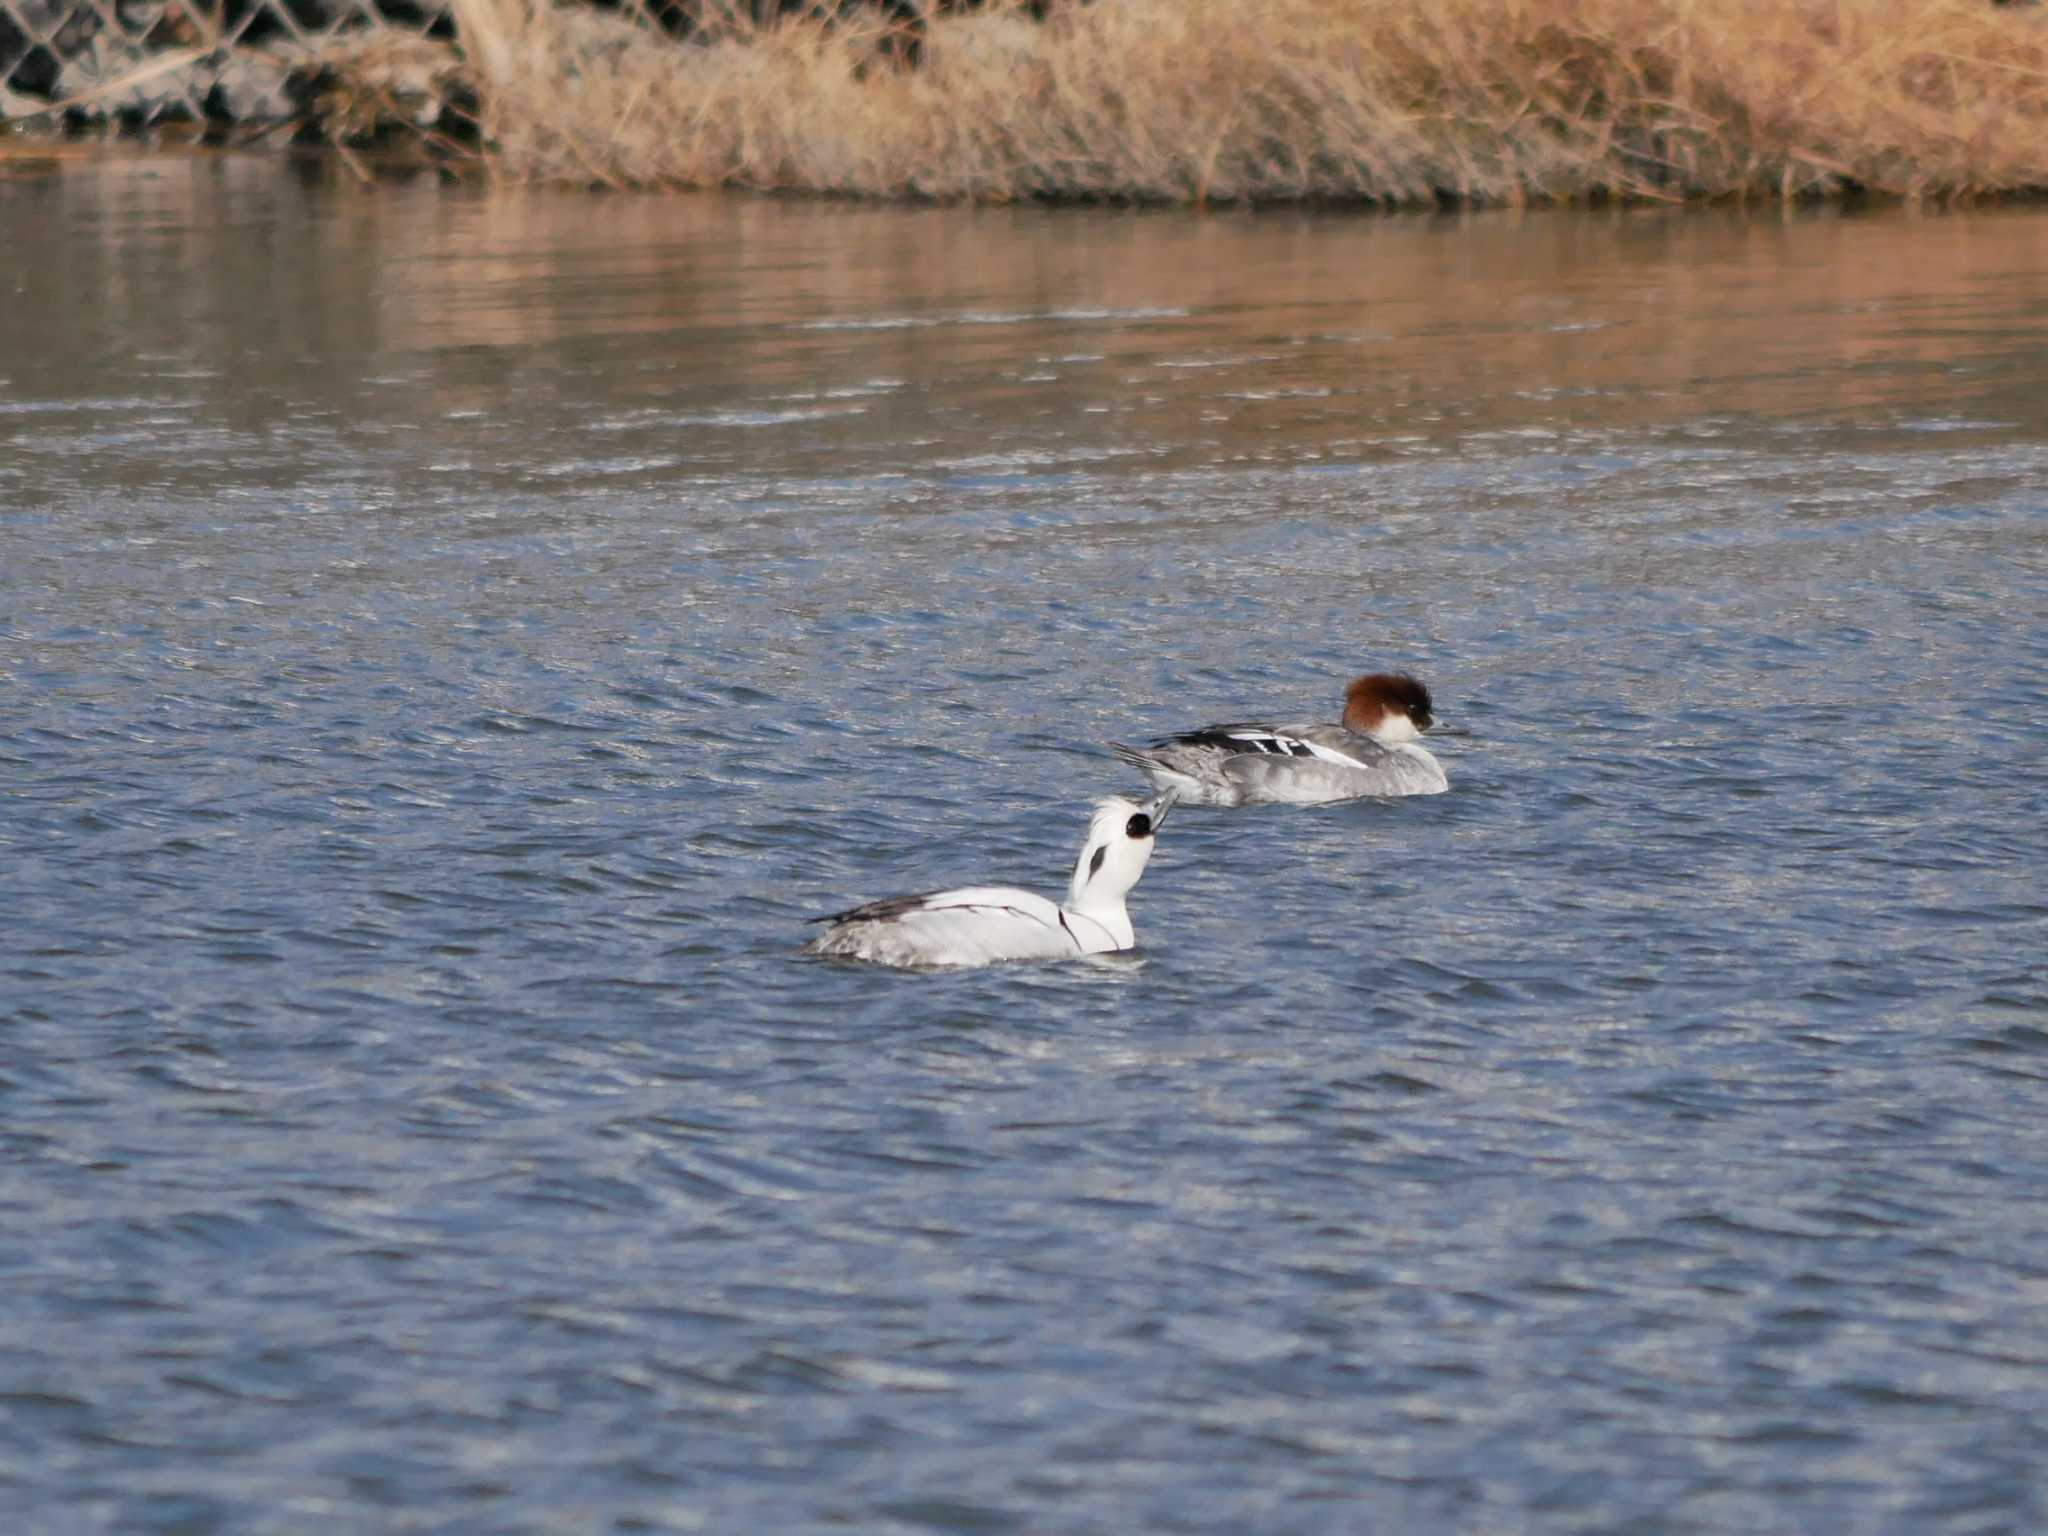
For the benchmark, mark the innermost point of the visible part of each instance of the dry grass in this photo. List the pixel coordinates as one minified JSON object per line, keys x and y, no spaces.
{"x":1391,"y":101}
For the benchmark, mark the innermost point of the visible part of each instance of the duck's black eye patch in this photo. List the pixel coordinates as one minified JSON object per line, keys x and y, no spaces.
{"x":1139,"y":825}
{"x":1100,"y":854}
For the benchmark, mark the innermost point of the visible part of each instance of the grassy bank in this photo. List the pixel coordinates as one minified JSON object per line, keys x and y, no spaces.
{"x":1393,"y":101}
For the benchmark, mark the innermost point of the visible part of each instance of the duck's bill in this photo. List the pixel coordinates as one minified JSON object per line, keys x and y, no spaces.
{"x":1157,"y":808}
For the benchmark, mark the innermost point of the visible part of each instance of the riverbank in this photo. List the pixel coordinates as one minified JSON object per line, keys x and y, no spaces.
{"x":1389,"y":102}
{"x":1395,"y":102}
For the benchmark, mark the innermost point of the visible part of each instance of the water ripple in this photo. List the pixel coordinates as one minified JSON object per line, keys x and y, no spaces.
{"x":424,"y":741}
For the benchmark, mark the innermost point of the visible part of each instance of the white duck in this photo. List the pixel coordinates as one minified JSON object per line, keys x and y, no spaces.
{"x":978,"y":924}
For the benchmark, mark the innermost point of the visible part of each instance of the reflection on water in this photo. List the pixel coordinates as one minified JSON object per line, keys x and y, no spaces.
{"x":1320,"y":323}
{"x":450,"y":639}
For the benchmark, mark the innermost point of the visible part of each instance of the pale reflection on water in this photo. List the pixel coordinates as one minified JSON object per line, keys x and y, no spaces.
{"x":450,"y":638}
{"x":1317,"y":319}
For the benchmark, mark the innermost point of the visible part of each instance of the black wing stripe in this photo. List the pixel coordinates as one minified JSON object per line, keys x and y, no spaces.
{"x":902,"y":906}
{"x":1240,"y":740}
{"x":983,"y":906}
{"x":1087,"y":919}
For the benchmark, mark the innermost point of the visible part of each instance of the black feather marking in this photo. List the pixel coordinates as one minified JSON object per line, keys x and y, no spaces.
{"x":982,"y":906}
{"x":902,"y":906}
{"x":1087,"y":919}
{"x":1241,"y":740}
{"x":1229,"y":738}
{"x":1095,"y":863}
{"x":879,"y":911}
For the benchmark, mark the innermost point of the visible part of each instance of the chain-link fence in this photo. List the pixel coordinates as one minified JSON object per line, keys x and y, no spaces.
{"x":144,"y":62}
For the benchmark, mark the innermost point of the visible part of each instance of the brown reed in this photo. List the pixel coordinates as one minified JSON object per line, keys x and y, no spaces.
{"x":1383,"y":101}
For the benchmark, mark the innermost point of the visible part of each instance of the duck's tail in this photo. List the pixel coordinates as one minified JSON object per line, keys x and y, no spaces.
{"x":1154,"y":763}
{"x":1144,"y":760}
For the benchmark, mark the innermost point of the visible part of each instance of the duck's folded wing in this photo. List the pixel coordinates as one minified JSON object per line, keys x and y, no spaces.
{"x":1301,"y":739}
{"x":996,"y":898}
{"x":881,"y":911}
{"x":969,"y":925}
{"x":1336,"y":770}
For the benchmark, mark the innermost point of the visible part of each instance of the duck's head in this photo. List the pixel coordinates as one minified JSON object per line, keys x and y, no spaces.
{"x":1119,"y":845}
{"x":1390,"y":707}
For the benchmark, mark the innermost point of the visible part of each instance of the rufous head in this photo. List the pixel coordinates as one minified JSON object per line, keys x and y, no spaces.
{"x":1391,"y":707}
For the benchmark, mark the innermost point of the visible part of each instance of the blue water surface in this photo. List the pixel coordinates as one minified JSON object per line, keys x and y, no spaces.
{"x":450,"y":641}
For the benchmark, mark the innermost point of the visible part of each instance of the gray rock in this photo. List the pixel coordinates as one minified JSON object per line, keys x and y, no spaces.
{"x":14,"y":105}
{"x":126,"y":82}
{"x":249,"y":87}
{"x":76,"y":32}
{"x":33,"y":74}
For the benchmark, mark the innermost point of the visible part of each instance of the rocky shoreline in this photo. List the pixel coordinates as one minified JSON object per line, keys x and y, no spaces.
{"x":352,"y":71}
{"x":312,"y":69}
{"x":342,"y":70}
{"x":1384,"y":102}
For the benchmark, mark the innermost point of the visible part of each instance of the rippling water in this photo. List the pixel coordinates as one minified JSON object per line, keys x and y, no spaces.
{"x":449,"y":642}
